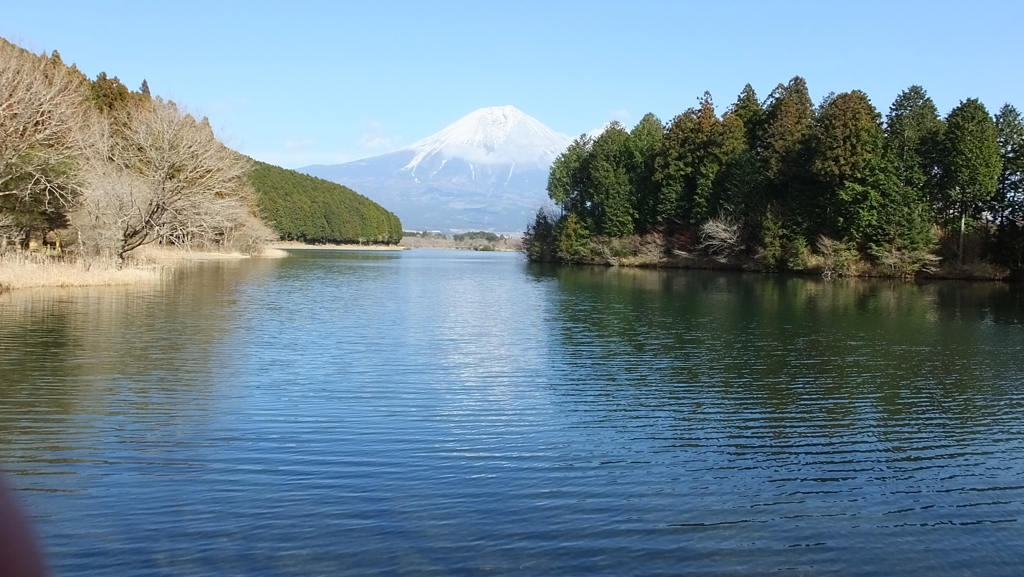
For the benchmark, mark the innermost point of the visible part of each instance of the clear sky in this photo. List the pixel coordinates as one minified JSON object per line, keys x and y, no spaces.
{"x":304,"y":82}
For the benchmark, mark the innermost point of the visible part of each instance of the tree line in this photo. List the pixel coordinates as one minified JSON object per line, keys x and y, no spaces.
{"x":97,"y":169}
{"x":782,"y":184}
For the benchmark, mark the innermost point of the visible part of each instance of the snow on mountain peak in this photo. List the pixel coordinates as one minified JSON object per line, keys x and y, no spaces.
{"x":495,"y":135}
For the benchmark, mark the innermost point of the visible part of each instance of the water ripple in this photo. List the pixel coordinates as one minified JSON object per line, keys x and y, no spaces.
{"x":437,"y":413}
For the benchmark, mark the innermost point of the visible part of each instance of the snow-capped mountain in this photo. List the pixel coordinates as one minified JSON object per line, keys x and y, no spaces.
{"x":487,"y":171}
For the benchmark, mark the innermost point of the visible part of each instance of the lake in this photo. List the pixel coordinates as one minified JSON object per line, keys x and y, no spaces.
{"x":465,"y":413}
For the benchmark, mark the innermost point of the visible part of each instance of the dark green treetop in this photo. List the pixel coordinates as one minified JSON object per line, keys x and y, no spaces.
{"x":913,"y":132}
{"x":848,"y":134}
{"x":789,"y":117}
{"x":567,"y":180}
{"x":749,"y":110}
{"x":612,"y":193}
{"x":1007,"y":206}
{"x":971,"y":164}
{"x":109,"y":94}
{"x":1009,"y":197}
{"x":645,"y":142}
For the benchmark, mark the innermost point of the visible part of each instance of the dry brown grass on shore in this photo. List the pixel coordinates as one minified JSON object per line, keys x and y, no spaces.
{"x":19,"y":270}
{"x":147,"y":264}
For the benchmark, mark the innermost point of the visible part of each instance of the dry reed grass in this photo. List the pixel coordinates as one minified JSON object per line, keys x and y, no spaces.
{"x":19,"y":270}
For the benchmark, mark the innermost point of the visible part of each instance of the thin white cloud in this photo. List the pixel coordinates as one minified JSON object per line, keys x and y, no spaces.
{"x":376,"y":139}
{"x":300,"y":158}
{"x":622,"y":115}
{"x":375,"y":142}
{"x":230,"y":103}
{"x":298,"y":144}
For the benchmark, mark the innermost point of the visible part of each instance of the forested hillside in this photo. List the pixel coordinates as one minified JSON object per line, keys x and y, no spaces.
{"x":782,"y":184}
{"x":97,"y":170}
{"x":310,"y":209}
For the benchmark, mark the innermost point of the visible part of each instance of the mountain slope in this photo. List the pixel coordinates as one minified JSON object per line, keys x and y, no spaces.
{"x":487,"y":171}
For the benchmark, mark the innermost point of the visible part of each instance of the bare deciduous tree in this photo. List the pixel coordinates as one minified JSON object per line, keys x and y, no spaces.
{"x":8,"y":231}
{"x":44,"y":128}
{"x":170,"y":180}
{"x":721,"y":238}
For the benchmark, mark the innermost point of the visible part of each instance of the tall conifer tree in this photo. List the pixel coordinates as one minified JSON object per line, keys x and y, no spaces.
{"x":1007,"y":206}
{"x":913,"y":133}
{"x":645,"y":141}
{"x":971,"y":165}
{"x":567,"y":180}
{"x":612,"y":192}
{"x":847,"y":140}
{"x":749,"y":110}
{"x":789,"y":117}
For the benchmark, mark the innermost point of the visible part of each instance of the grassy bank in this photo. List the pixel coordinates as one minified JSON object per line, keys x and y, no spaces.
{"x":20,"y":270}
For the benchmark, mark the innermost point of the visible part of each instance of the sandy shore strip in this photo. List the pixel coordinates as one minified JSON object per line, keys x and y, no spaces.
{"x":295,"y":245}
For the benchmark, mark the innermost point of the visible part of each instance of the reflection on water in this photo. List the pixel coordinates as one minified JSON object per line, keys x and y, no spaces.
{"x":439,"y":412}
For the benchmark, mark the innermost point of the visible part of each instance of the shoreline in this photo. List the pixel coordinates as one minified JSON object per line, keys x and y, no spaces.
{"x":981,"y":273}
{"x":285,"y":245}
{"x":150,"y":264}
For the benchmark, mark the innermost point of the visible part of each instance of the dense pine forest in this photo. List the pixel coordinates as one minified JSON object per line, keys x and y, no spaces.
{"x":309,"y":209}
{"x":96,"y":170}
{"x":782,"y":184}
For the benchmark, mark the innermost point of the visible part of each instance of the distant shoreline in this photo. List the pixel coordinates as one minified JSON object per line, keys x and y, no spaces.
{"x":295,"y":245}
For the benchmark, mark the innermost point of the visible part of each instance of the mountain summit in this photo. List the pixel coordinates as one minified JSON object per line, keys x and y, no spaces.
{"x":486,"y":171}
{"x":496,"y":135}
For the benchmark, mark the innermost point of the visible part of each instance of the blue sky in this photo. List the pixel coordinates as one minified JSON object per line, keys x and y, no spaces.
{"x":307,"y":82}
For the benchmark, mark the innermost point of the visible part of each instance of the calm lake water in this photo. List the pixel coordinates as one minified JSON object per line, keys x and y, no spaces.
{"x":460,"y":413}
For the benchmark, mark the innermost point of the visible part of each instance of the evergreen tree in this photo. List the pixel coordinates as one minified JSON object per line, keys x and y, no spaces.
{"x":612,"y":193}
{"x":789,"y":117}
{"x":1008,"y":202}
{"x":748,"y":109}
{"x":971,"y":165}
{"x":144,"y":89}
{"x":785,"y":153}
{"x":847,"y":138}
{"x":913,"y":132}
{"x":572,"y":242}
{"x":848,"y":134}
{"x":879,"y":214}
{"x":698,"y":144}
{"x":740,"y":187}
{"x":730,"y":147}
{"x":109,"y":95}
{"x":568,"y":179}
{"x":1007,"y":206}
{"x":740,"y":184}
{"x":645,"y":142}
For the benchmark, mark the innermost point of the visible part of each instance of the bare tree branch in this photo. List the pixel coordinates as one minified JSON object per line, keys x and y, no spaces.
{"x":44,"y":122}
